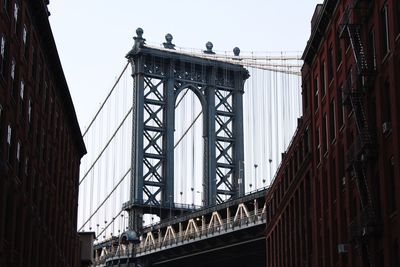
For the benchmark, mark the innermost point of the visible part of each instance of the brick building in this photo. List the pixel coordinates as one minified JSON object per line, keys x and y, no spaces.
{"x":40,"y":143}
{"x":342,"y":208}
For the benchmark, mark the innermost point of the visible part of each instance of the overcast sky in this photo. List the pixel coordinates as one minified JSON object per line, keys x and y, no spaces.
{"x":93,"y":36}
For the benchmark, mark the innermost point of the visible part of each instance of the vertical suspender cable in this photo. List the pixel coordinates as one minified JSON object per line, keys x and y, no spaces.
{"x":269,"y":94}
{"x":276,"y":116}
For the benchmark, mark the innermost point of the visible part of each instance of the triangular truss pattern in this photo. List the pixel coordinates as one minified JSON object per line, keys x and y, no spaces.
{"x":154,"y":135}
{"x":225,"y":141}
{"x":149,"y":241}
{"x":241,"y":213}
{"x":159,"y":78}
{"x":169,"y":235}
{"x":191,"y":230}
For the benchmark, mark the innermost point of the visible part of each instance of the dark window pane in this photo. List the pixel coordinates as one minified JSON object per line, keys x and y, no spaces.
{"x":385,"y":30}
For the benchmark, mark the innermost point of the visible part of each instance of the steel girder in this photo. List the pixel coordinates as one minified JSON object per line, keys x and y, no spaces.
{"x":159,"y":76}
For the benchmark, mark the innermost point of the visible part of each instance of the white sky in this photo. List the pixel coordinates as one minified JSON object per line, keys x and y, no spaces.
{"x":93,"y":36}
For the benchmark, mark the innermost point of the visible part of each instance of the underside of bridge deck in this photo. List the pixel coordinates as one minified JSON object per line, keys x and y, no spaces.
{"x":242,"y":254}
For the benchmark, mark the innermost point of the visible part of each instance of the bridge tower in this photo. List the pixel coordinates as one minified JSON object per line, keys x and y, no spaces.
{"x":159,"y":75}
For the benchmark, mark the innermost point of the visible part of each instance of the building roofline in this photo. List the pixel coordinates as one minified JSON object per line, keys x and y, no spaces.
{"x":318,"y":30}
{"x":40,"y":16}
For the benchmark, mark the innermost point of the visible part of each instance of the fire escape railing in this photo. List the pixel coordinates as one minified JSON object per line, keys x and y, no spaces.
{"x":363,"y":148}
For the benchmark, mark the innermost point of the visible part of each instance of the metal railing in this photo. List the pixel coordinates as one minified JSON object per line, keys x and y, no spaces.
{"x":184,"y":237}
{"x":205,"y":232}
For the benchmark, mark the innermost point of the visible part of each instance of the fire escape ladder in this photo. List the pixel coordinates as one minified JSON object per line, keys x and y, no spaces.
{"x":368,"y":214}
{"x":362,"y":149}
{"x":368,"y":220}
{"x":356,"y":100}
{"x":364,"y":139}
{"x":354,"y":33}
{"x":364,"y":135}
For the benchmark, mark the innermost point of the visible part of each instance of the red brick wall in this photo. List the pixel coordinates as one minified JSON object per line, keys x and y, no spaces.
{"x":40,"y":169}
{"x":334,"y":193}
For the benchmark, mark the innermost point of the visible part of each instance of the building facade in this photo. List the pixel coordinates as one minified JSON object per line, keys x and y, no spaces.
{"x":40,"y":143}
{"x":351,"y":77}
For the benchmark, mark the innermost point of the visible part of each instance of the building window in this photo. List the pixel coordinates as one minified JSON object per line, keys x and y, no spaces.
{"x":385,"y":30}
{"x":323,"y":79}
{"x":338,"y":51}
{"x":45,"y":93}
{"x":317,"y":135}
{"x":25,"y":39}
{"x":316,"y":93}
{"x":14,"y":80}
{"x":34,"y":63}
{"x":22,"y":88}
{"x":392,"y":187}
{"x":9,"y":139}
{"x":325,"y":186}
{"x":342,"y":174}
{"x":398,"y":16}
{"x":5,"y":6}
{"x":305,"y":89}
{"x":332,"y":120}
{"x":26,"y":166}
{"x":333,"y":179}
{"x":324,"y":134}
{"x":24,"y":34}
{"x":330,"y":64}
{"x":21,"y":95}
{"x":387,"y":109}
{"x":372,"y":49}
{"x":15,"y":13}
{"x":2,"y":54}
{"x":12,"y":72}
{"x":350,"y":80}
{"x":396,"y":252}
{"x":306,"y":142}
{"x":29,"y":113}
{"x":18,"y":150}
{"x":340,"y":106}
{"x":1,"y":130}
{"x":19,"y":159}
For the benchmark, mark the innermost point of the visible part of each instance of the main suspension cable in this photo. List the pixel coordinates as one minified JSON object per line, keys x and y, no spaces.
{"x":187,"y":130}
{"x":104,"y":201}
{"x":108,"y":225}
{"x":107,"y":97}
{"x":105,"y":147}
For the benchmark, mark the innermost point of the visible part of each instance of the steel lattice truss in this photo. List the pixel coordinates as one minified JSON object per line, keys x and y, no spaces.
{"x":153,"y":133}
{"x":159,"y":77}
{"x":225,"y":137}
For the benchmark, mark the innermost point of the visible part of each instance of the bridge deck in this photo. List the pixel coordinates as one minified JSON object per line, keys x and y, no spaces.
{"x":234,"y":223}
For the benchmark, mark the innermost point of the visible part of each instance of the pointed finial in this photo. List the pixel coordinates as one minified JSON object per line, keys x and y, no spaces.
{"x":209,"y":47}
{"x":168,"y":44}
{"x":139,"y":32}
{"x":236,"y":51}
{"x":139,"y":40}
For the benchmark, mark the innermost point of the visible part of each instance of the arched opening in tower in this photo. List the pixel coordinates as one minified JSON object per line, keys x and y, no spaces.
{"x":188,"y":150}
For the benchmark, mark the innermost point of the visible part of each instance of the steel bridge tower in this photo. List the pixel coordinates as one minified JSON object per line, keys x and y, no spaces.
{"x":159,"y":75}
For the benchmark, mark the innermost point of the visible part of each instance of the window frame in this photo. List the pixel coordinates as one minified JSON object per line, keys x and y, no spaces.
{"x":385,"y":30}
{"x":3,"y":51}
{"x":332,"y":114}
{"x":316,"y":93}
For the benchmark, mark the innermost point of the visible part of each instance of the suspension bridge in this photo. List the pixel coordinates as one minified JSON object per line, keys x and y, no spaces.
{"x":182,"y":151}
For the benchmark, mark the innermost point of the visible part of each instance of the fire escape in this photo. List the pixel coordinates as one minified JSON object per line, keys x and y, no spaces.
{"x":363,"y":149}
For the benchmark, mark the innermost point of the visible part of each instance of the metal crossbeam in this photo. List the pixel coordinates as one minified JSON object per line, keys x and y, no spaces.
{"x":159,"y":77}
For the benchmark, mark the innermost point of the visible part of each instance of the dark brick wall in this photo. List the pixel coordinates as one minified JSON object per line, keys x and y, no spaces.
{"x":308,"y":235}
{"x":40,"y":144}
